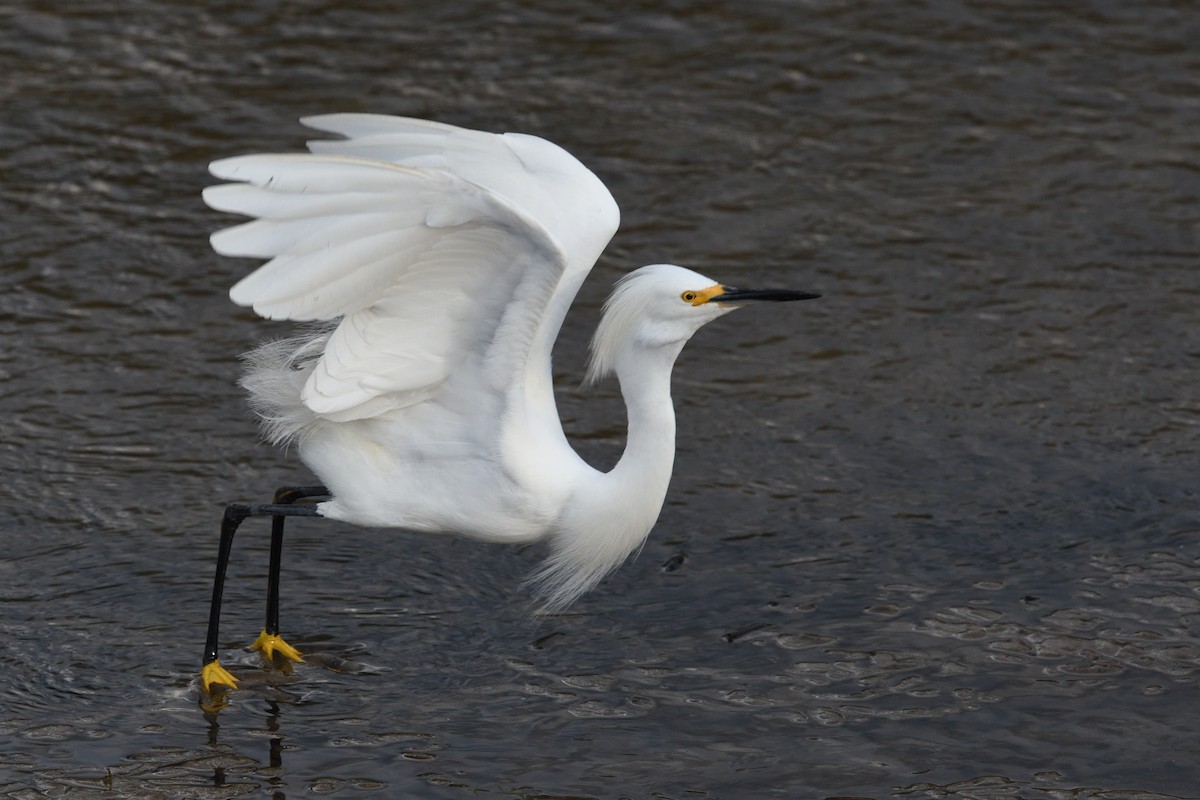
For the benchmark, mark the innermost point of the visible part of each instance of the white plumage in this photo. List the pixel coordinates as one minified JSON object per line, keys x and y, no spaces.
{"x":437,"y":264}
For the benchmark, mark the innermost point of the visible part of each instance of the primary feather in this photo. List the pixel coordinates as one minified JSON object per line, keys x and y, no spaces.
{"x":484,"y":243}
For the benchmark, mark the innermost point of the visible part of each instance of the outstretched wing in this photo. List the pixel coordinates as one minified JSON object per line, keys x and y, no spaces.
{"x":441,"y":250}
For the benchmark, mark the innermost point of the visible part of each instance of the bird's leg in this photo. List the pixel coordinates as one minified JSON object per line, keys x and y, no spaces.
{"x":290,"y":494}
{"x":269,"y":641}
{"x":212,"y":673}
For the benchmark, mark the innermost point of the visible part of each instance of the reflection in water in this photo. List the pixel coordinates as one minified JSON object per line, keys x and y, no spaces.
{"x":245,"y":765}
{"x":937,"y":540}
{"x":275,"y":756}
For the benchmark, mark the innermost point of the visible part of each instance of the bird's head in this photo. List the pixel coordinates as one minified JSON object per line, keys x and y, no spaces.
{"x":659,"y":307}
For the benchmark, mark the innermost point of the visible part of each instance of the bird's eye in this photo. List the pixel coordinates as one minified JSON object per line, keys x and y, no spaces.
{"x":688,"y":297}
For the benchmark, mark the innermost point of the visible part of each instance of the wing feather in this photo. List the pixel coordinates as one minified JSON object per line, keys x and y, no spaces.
{"x":354,"y":126}
{"x":253,"y":201}
{"x":301,"y":286}
{"x":448,"y":255}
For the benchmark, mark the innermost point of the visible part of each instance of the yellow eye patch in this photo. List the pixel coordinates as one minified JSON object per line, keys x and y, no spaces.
{"x":702,"y":296}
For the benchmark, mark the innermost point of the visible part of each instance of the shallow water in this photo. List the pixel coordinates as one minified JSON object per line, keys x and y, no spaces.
{"x":934,"y":535}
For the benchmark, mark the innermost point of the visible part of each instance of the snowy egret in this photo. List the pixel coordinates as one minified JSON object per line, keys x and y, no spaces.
{"x":436,"y":265}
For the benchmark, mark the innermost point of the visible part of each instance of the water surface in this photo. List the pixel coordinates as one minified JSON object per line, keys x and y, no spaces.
{"x":932,"y":536}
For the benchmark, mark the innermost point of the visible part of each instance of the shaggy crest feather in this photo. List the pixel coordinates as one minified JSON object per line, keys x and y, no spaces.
{"x":622,"y":311}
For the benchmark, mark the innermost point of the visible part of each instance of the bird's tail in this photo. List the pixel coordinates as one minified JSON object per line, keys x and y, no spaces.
{"x":274,"y":374}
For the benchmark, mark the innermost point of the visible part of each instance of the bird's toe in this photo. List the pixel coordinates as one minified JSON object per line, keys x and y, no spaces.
{"x":213,"y":674}
{"x":271,"y":643}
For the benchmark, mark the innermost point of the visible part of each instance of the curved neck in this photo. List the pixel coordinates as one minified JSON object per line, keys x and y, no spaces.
{"x":612,"y":513}
{"x":642,"y":474}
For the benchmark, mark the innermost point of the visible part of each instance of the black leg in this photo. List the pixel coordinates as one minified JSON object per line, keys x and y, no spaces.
{"x":290,"y":494}
{"x":229,"y":525}
{"x":283,"y":496}
{"x":212,"y":672}
{"x":271,"y":625}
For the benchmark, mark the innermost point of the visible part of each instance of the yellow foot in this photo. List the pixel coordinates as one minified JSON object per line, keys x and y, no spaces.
{"x":213,"y":673}
{"x":270,"y":644}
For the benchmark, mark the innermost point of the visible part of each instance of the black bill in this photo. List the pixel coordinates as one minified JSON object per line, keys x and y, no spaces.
{"x":729,"y":294}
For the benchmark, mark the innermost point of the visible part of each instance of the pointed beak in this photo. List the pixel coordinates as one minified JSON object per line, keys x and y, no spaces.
{"x":729,"y":294}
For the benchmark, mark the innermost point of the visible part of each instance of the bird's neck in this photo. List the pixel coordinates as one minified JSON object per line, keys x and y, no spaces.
{"x":642,"y":474}
{"x":612,"y":514}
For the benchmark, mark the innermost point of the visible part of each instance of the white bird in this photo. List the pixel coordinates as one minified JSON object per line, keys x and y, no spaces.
{"x":437,"y":264}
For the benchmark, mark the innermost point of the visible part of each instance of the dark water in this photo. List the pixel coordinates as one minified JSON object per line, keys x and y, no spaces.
{"x":932,"y":536}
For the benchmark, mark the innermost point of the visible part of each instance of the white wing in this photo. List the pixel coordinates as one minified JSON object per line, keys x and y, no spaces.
{"x":441,"y":250}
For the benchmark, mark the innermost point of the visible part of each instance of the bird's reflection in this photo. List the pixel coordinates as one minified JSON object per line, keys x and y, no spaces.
{"x":274,"y":746}
{"x":275,"y":751}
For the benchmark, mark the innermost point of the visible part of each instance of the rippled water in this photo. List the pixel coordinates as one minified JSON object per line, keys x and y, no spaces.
{"x":932,"y":536}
